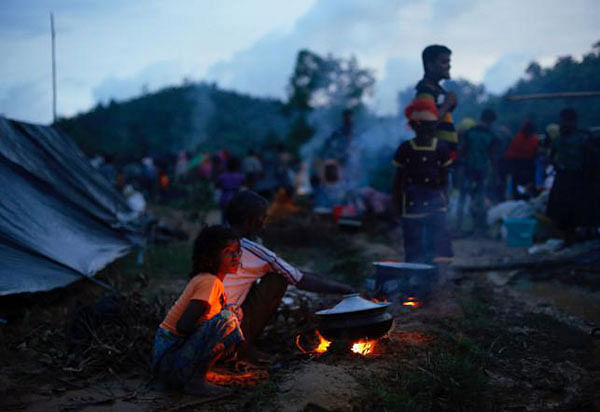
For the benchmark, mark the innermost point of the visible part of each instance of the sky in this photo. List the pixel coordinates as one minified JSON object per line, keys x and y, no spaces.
{"x":114,"y":49}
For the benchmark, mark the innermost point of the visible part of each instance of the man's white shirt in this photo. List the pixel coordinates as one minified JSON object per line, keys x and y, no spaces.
{"x":256,"y":262}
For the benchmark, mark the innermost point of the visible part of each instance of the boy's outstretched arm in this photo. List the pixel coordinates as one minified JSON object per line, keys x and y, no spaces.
{"x":318,"y":283}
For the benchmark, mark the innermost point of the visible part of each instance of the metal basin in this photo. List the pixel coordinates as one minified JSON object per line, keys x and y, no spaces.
{"x":355,"y":318}
{"x":368,"y":327}
{"x":411,"y":279}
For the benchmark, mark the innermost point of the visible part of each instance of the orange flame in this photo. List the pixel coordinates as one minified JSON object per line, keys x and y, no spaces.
{"x":363,"y":347}
{"x":411,"y":302}
{"x":321,"y":347}
{"x":323,"y":344}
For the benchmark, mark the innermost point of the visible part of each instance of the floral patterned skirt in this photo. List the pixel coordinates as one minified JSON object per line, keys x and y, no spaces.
{"x":177,"y":360}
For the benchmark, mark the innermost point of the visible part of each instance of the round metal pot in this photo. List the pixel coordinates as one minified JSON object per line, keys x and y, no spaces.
{"x":355,"y":318}
{"x":411,"y":279}
{"x":359,"y":327}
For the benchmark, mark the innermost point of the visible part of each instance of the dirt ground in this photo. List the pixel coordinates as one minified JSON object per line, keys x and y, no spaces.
{"x":518,"y":340}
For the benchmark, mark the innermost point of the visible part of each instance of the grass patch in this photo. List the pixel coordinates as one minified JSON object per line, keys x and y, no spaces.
{"x":470,"y":334}
{"x":194,"y":197}
{"x":442,"y":379}
{"x":160,"y":262}
{"x":445,"y":375}
{"x":262,"y":397}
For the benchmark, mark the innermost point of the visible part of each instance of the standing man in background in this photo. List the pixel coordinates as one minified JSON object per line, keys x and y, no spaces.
{"x":569,"y":193}
{"x":436,"y":63}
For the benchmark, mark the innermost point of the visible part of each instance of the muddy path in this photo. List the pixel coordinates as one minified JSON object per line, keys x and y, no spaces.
{"x":486,"y":340}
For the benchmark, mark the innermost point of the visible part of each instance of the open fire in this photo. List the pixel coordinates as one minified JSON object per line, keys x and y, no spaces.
{"x":411,"y":303}
{"x":323,"y":344}
{"x":321,"y":347}
{"x":363,"y":347}
{"x":360,"y":347}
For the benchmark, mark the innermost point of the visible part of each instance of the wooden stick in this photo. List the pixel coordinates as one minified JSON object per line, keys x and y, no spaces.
{"x":557,"y":95}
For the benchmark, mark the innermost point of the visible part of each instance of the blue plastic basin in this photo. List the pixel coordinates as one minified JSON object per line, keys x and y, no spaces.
{"x":520,"y":231}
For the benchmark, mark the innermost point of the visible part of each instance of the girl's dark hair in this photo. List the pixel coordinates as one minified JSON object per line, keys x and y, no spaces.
{"x":208,"y":245}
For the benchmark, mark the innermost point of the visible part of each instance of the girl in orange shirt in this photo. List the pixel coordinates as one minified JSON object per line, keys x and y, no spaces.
{"x":199,"y":329}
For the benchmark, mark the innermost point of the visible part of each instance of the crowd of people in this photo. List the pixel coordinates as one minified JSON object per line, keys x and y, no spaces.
{"x":163,"y":178}
{"x":274,"y":172}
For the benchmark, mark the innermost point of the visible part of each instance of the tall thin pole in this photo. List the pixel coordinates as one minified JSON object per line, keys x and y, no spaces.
{"x":53,"y":69}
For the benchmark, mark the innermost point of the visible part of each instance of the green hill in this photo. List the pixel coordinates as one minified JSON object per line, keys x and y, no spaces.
{"x":179,"y":118}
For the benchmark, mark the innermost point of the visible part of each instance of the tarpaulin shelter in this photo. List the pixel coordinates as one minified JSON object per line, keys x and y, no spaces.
{"x":60,"y":219}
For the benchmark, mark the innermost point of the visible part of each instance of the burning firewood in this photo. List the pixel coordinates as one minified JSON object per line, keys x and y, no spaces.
{"x":363,"y":348}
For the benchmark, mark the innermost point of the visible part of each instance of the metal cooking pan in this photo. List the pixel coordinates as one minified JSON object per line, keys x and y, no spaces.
{"x":355,"y":318}
{"x":372,"y":327}
{"x":411,"y":279}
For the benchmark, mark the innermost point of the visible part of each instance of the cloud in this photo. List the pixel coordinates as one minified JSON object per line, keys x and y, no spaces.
{"x":20,"y":20}
{"x":400,"y":73}
{"x":149,"y":79}
{"x":106,"y":46}
{"x":29,"y":101}
{"x":251,"y":46}
{"x":386,"y":36}
{"x":332,"y":26}
{"x":503,"y":73}
{"x":262,"y":70}
{"x":488,"y":38}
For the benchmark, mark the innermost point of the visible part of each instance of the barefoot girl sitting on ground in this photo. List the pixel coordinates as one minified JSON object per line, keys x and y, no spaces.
{"x":198,"y":329}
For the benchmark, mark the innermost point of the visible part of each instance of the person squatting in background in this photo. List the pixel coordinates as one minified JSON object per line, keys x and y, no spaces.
{"x":199,"y":328}
{"x":420,"y":187}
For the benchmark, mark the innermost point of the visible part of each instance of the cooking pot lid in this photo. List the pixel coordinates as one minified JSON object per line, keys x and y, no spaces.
{"x":352,"y":303}
{"x":404,"y":265}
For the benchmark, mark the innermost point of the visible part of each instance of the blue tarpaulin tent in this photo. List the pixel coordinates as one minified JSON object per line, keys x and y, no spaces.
{"x":60,"y":219}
